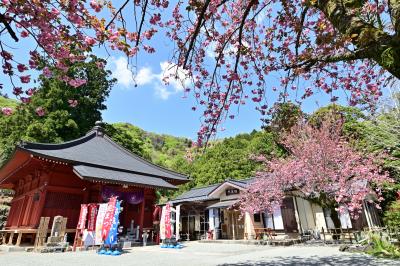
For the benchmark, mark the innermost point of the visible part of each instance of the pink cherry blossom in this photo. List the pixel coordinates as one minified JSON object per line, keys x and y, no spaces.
{"x":22,"y":67}
{"x":40,"y":111}
{"x":24,"y":34}
{"x":47,"y":72}
{"x":73,"y":103}
{"x":77,"y":82}
{"x":6,"y":111}
{"x":90,"y":41}
{"x":25,"y":79}
{"x":233,"y":52}
{"x":321,"y":166}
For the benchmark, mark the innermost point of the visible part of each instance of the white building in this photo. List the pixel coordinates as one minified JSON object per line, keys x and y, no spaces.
{"x":212,"y":212}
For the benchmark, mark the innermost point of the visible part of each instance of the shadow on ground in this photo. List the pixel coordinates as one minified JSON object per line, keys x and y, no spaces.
{"x":344,"y":260}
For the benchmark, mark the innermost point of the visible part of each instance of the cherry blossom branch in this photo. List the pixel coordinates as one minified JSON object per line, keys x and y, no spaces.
{"x":307,"y":64}
{"x":141,"y":22}
{"x":119,"y":11}
{"x":196,"y":32}
{"x":3,"y":20}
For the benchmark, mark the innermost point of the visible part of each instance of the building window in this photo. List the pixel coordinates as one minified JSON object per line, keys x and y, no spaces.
{"x":257,"y":218}
{"x":273,"y":221}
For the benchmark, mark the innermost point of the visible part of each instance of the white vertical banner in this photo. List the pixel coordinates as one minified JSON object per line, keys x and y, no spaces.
{"x":211,"y":225}
{"x":345,"y":220}
{"x":216,"y":218}
{"x":177,"y":221}
{"x":99,"y":222}
{"x":278,"y":222}
{"x":197,"y":222}
{"x":162,"y":224}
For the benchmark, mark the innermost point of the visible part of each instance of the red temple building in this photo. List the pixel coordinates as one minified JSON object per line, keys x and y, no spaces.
{"x":55,"y":179}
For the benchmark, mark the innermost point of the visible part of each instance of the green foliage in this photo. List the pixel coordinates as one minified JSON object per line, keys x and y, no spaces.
{"x":284,"y":117}
{"x":5,"y":200}
{"x":161,"y":149}
{"x":383,"y":134}
{"x":61,"y":122}
{"x":351,"y":116}
{"x":382,"y":248}
{"x":4,"y":210}
{"x":128,"y":136}
{"x":392,"y":215}
{"x":231,"y":158}
{"x":388,"y":57}
{"x":7,"y":102}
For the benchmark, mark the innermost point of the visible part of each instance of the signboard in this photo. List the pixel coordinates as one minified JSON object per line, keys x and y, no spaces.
{"x":82,"y":217}
{"x":168,"y":229}
{"x":232,"y":191}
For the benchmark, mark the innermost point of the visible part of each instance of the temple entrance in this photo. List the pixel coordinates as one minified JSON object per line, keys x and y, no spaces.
{"x":288,"y":215}
{"x":233,"y":225}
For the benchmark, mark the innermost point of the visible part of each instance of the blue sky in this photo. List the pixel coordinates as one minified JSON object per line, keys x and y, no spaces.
{"x":157,"y":107}
{"x":161,"y":108}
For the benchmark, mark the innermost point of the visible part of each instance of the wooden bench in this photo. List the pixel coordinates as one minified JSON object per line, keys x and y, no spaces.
{"x":260,"y":232}
{"x":20,"y":232}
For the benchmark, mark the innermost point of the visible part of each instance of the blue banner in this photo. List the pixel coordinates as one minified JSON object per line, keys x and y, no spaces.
{"x":112,"y":234}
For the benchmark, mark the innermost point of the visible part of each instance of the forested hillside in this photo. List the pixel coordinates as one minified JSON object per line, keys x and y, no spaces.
{"x":7,"y":102}
{"x":226,"y":158}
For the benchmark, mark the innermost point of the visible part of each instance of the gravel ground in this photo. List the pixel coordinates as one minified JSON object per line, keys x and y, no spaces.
{"x":195,"y":253}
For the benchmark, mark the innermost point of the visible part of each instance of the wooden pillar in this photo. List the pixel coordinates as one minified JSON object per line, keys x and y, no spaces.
{"x":10,"y":240}
{"x":100,"y":191}
{"x":141,"y":218}
{"x":233,"y":225}
{"x":19,"y":239}
{"x":42,"y":200}
{"x":86,"y":196}
{"x":22,"y":210}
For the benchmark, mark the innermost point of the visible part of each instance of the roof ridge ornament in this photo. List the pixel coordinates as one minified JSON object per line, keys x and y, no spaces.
{"x":99,"y":128}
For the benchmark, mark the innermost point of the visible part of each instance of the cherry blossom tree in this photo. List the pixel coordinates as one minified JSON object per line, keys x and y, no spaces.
{"x":229,"y":49}
{"x":321,"y":166}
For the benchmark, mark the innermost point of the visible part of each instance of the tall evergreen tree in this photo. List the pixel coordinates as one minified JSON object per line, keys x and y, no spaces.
{"x":56,"y":112}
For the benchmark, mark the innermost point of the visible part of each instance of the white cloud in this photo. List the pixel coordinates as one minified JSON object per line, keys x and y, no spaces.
{"x":162,"y":92}
{"x":145,"y":76}
{"x":122,"y":73}
{"x":176,"y":78}
{"x":210,"y":50}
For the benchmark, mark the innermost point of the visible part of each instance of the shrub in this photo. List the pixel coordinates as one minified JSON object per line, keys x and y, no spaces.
{"x":392,"y":215}
{"x":382,"y":248}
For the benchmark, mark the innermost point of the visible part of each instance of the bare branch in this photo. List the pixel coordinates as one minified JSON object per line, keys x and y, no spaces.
{"x":116,"y":14}
{"x":141,"y":22}
{"x":3,"y":20}
{"x":196,"y":31}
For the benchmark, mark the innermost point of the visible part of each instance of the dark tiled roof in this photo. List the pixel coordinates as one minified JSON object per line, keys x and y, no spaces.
{"x":201,"y":193}
{"x":195,"y":194}
{"x":241,"y":183}
{"x":223,"y":204}
{"x":99,"y":174}
{"x":96,"y":149}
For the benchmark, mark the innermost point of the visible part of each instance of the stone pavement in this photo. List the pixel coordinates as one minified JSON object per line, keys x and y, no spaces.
{"x":195,"y":253}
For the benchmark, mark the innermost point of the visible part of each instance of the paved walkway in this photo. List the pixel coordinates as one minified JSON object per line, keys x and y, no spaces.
{"x":201,"y":254}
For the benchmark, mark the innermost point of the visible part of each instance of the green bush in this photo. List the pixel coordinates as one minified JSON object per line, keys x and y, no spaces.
{"x":4,"y":209}
{"x":392,"y":215}
{"x":382,"y":248}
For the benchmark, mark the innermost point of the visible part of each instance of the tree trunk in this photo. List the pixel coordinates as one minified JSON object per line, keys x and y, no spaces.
{"x":373,"y":42}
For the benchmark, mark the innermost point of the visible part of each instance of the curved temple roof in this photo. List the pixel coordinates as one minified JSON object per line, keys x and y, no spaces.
{"x":205,"y":193}
{"x":95,"y":156}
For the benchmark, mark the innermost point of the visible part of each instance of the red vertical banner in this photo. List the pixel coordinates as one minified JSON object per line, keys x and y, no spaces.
{"x":168,"y":232}
{"x":82,"y":217}
{"x":108,"y":217}
{"x":92,"y":211}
